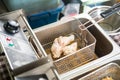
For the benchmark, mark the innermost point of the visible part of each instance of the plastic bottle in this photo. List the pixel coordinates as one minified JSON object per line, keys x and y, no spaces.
{"x":72,"y":8}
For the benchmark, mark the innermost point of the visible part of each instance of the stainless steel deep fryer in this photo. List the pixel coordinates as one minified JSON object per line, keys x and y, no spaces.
{"x":83,"y":55}
{"x":104,"y":48}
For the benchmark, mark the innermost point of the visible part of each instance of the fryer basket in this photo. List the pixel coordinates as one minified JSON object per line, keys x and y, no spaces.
{"x":83,"y":55}
{"x":74,"y":60}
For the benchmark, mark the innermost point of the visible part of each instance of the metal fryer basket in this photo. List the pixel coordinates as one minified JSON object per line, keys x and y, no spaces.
{"x":81,"y":43}
{"x":110,"y":24}
{"x":111,"y":70}
{"x":76,"y":59}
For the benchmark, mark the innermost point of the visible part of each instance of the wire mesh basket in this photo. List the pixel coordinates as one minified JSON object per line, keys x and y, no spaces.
{"x":86,"y":44}
{"x":74,"y":60}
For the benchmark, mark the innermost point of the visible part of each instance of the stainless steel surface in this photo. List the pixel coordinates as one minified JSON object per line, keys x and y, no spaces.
{"x":21,"y":55}
{"x":28,"y":67}
{"x":115,"y":61}
{"x":15,"y":53}
{"x":39,"y":46}
{"x":105,"y":47}
{"x":33,"y":77}
{"x":111,"y":70}
{"x":56,"y":73}
{"x":47,"y":69}
{"x":110,"y":24}
{"x":96,"y":11}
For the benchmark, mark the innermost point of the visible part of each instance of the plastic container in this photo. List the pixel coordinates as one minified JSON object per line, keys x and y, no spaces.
{"x":31,"y":6}
{"x":71,"y":9}
{"x":71,"y":61}
{"x":110,"y":70}
{"x":45,"y":17}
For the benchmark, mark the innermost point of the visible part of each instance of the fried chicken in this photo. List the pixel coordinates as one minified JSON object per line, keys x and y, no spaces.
{"x":107,"y":78}
{"x":63,"y":41}
{"x":60,"y":45}
{"x":56,"y":49}
{"x":70,"y":48}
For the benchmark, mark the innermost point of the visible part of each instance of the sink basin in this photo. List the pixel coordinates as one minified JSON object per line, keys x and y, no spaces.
{"x":105,"y":47}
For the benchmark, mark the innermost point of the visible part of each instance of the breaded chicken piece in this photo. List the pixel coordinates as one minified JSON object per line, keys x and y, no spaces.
{"x":107,"y":78}
{"x":59,"y":44}
{"x":63,"y":41}
{"x":70,"y":48}
{"x":56,"y":49}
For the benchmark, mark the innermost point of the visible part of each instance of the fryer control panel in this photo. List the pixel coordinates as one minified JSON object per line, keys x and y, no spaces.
{"x":16,"y":48}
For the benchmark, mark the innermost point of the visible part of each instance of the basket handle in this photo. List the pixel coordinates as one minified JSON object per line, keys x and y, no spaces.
{"x":115,"y":8}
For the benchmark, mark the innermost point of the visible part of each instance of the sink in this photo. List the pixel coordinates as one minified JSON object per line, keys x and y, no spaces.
{"x":104,"y":47}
